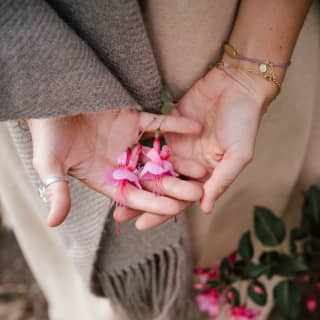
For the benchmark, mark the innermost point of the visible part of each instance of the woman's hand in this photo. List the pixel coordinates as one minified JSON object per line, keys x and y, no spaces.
{"x":85,"y":146}
{"x":229,"y":104}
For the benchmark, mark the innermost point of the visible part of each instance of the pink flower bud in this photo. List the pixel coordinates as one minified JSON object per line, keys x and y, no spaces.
{"x":212,"y":275}
{"x":311,"y":304}
{"x":230,"y":295}
{"x":200,"y":271}
{"x":198,"y":286}
{"x":232,"y":258}
{"x":257,"y":289}
{"x":243,"y":313}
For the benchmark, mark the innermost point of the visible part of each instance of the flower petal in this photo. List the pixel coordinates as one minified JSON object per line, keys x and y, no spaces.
{"x":135,"y":156}
{"x":124,"y":174}
{"x":167,"y":165}
{"x":154,"y":156}
{"x":153,"y":168}
{"x":165,"y":152}
{"x":109,"y":180}
{"x":122,"y":158}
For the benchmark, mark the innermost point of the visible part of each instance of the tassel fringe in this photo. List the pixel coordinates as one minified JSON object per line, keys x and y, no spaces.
{"x":158,"y":288}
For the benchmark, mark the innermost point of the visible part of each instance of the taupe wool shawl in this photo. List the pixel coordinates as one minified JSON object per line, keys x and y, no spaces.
{"x":63,"y":57}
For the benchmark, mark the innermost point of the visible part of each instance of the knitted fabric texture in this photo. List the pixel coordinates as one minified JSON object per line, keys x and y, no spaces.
{"x":64,"y":57}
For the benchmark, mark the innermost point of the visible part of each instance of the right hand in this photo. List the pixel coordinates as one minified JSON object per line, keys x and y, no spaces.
{"x":86,"y":145}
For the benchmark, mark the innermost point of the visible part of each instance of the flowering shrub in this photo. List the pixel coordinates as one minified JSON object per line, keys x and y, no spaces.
{"x":296,"y":295}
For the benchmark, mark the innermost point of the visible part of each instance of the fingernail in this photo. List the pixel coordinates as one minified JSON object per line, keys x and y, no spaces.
{"x":51,"y":220}
{"x":208,"y":207}
{"x":119,"y":216}
{"x":116,"y":215}
{"x":140,"y":225}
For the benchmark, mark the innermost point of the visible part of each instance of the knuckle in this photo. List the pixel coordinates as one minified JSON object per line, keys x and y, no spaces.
{"x":246,"y":155}
{"x":173,"y":207}
{"x":46,"y":164}
{"x":172,"y":185}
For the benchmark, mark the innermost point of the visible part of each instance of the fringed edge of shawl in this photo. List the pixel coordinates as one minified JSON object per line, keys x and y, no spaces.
{"x":157,"y":288}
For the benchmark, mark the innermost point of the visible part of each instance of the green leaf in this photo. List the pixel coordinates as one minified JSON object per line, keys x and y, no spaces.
{"x":224,"y":269}
{"x":165,"y":95}
{"x":255,"y":270}
{"x":257,"y":293}
{"x":311,"y":207}
{"x":213,"y":283}
{"x":167,"y":107}
{"x":282,"y":264}
{"x":298,"y":233}
{"x":313,"y":261}
{"x":295,"y":235}
{"x":287,"y":298}
{"x":233,"y":297}
{"x":269,"y":229}
{"x":245,"y":248}
{"x":315,"y":244}
{"x":167,"y":103}
{"x":268,"y":257}
{"x":288,"y":266}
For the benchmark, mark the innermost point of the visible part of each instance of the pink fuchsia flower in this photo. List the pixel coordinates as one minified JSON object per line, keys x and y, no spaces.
{"x":198,"y":286}
{"x":232,"y":258}
{"x":124,"y":174}
{"x":311,"y":304}
{"x":230,"y":295}
{"x":158,"y":166}
{"x":201,"y":271}
{"x":206,"y":274}
{"x":210,"y":301}
{"x":243,"y":313}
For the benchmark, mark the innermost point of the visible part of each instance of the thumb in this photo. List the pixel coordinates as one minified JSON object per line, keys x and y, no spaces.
{"x":233,"y":162}
{"x":57,"y":192}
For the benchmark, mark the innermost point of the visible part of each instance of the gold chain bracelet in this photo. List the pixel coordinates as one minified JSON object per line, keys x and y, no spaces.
{"x":269,"y":76}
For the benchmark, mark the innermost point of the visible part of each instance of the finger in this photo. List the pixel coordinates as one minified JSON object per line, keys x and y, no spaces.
{"x":148,"y":221}
{"x":177,"y":188}
{"x":144,"y":222}
{"x":188,"y":167}
{"x":123,"y":214}
{"x":58,"y":193}
{"x":167,"y":123}
{"x":224,"y":174}
{"x":137,"y":199}
{"x":143,"y":200}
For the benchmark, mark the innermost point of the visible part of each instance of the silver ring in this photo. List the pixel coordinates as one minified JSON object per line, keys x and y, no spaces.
{"x":42,"y":188}
{"x":55,"y":179}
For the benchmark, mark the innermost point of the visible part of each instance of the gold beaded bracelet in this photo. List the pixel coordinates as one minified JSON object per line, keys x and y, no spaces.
{"x":263,"y":74}
{"x":265,"y":68}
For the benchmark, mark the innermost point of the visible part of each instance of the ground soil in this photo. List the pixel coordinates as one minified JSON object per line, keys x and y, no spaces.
{"x":20,"y":296}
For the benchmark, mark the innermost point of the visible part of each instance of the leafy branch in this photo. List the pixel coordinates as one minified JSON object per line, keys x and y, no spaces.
{"x":297,"y":295}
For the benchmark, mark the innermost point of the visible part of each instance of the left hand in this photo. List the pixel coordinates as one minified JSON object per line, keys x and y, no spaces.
{"x":87,"y":145}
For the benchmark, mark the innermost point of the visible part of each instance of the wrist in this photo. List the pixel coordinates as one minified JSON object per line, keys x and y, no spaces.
{"x":264,"y":90}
